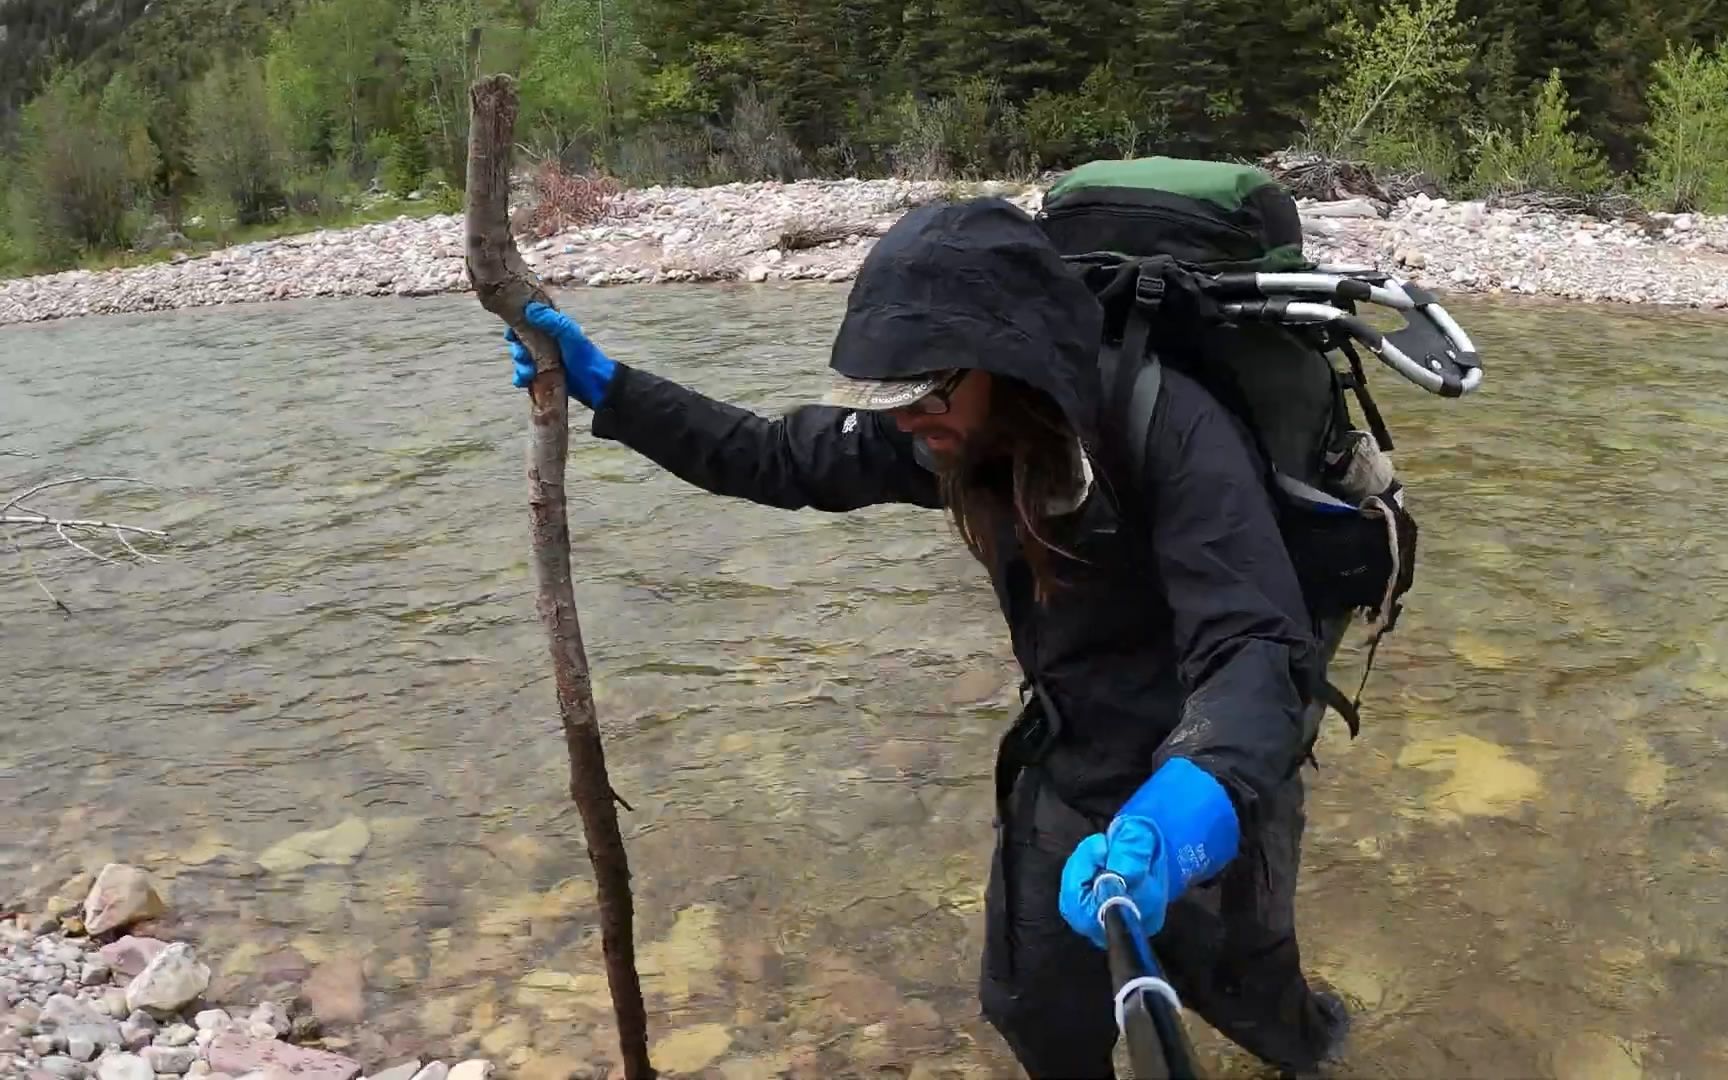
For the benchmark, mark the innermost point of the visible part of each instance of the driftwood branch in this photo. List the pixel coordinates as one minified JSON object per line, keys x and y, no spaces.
{"x":505,"y":285}
{"x":801,"y":234}
{"x":15,"y":515}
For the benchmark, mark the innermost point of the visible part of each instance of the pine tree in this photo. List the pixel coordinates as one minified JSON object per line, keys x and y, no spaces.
{"x":1026,"y":45}
{"x":1179,"y":60}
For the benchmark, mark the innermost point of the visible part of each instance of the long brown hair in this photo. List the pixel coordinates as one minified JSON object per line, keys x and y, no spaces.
{"x":1025,"y":464}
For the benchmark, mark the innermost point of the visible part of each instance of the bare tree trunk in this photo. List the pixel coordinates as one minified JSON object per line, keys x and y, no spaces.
{"x":505,"y":286}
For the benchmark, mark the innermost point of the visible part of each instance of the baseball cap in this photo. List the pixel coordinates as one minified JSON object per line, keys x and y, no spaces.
{"x":875,"y":395}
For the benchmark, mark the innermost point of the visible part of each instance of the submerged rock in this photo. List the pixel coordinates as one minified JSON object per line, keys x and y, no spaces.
{"x":336,"y":991}
{"x":338,"y":845}
{"x":271,"y":1014}
{"x":691,"y":1049}
{"x":237,"y":1054}
{"x":408,"y":1070}
{"x":121,"y":896}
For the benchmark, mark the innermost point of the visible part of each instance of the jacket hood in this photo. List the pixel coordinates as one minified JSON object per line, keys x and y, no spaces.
{"x":974,"y":284}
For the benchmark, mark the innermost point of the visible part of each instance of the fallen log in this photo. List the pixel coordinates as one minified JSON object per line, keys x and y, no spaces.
{"x":505,"y":286}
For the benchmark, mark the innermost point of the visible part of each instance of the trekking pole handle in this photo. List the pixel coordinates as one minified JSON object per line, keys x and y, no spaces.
{"x":1148,"y":1011}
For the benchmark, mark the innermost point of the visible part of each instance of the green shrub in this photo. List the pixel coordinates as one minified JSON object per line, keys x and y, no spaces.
{"x":974,"y":132}
{"x":236,"y":148}
{"x":325,"y":194}
{"x":1406,"y":69}
{"x":1422,"y":148}
{"x":1545,"y":155}
{"x":403,"y":163}
{"x":86,"y":164}
{"x":1686,"y":165}
{"x":1053,"y":129}
{"x":1116,"y":114}
{"x":757,"y":144}
{"x":664,"y":153}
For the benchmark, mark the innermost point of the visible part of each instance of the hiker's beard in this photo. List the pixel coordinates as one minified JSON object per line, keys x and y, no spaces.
{"x":959,"y":453}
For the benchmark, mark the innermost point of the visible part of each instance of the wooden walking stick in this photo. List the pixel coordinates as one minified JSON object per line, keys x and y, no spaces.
{"x":505,"y":286}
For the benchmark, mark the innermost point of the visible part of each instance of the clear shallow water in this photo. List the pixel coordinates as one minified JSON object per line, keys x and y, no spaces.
{"x":1517,"y":870}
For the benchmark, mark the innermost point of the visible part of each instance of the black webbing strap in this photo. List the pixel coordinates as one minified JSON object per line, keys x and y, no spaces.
{"x":1359,"y":385}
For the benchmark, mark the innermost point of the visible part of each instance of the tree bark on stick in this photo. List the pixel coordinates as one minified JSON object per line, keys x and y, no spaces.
{"x":505,"y":286}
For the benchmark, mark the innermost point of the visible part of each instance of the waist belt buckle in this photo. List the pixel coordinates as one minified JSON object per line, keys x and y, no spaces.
{"x":1038,"y":728}
{"x":1149,"y":289}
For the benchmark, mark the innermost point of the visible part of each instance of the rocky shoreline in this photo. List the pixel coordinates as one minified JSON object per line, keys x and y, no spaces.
{"x":88,"y":993}
{"x":821,"y":230}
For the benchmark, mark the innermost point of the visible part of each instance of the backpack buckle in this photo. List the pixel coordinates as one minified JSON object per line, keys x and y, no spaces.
{"x":1149,"y":289}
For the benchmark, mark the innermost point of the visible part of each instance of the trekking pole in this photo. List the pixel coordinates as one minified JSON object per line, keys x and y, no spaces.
{"x":1148,"y":1012}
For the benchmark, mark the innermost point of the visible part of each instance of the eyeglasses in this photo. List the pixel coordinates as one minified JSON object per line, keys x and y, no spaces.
{"x":935,"y":403}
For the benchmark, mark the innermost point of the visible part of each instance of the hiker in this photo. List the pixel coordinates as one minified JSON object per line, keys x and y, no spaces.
{"x":1171,"y":681}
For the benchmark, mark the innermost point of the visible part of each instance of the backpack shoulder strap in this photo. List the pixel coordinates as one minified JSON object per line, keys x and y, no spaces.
{"x":1133,"y":376}
{"x":1140,"y":401}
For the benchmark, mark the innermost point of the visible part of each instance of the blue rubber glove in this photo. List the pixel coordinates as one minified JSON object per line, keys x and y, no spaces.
{"x":588,"y":372}
{"x":1180,"y":827}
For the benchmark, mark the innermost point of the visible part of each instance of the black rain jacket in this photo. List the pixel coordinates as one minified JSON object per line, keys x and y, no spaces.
{"x":1188,"y":637}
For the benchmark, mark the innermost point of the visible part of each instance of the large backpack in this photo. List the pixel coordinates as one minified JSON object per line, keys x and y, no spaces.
{"x":1199,"y":266}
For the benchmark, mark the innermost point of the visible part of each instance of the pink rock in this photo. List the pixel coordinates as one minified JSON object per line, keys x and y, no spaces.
{"x":336,"y":991}
{"x":122,"y":895}
{"x":130,"y":955}
{"x":237,"y":1054}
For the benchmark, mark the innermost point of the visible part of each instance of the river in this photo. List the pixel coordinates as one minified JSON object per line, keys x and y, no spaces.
{"x":1517,"y":870}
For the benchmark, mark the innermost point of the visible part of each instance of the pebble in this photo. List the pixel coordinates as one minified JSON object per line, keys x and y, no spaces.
{"x":435,"y":1071}
{"x":94,"y":973}
{"x":169,"y":1059}
{"x":270,"y":1013}
{"x":211,"y":1019}
{"x":124,"y":1067}
{"x":408,"y":1070}
{"x":472,"y":1069}
{"x":177,"y":1035}
{"x":63,"y":1067}
{"x":81,"y":1047}
{"x":141,"y":1019}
